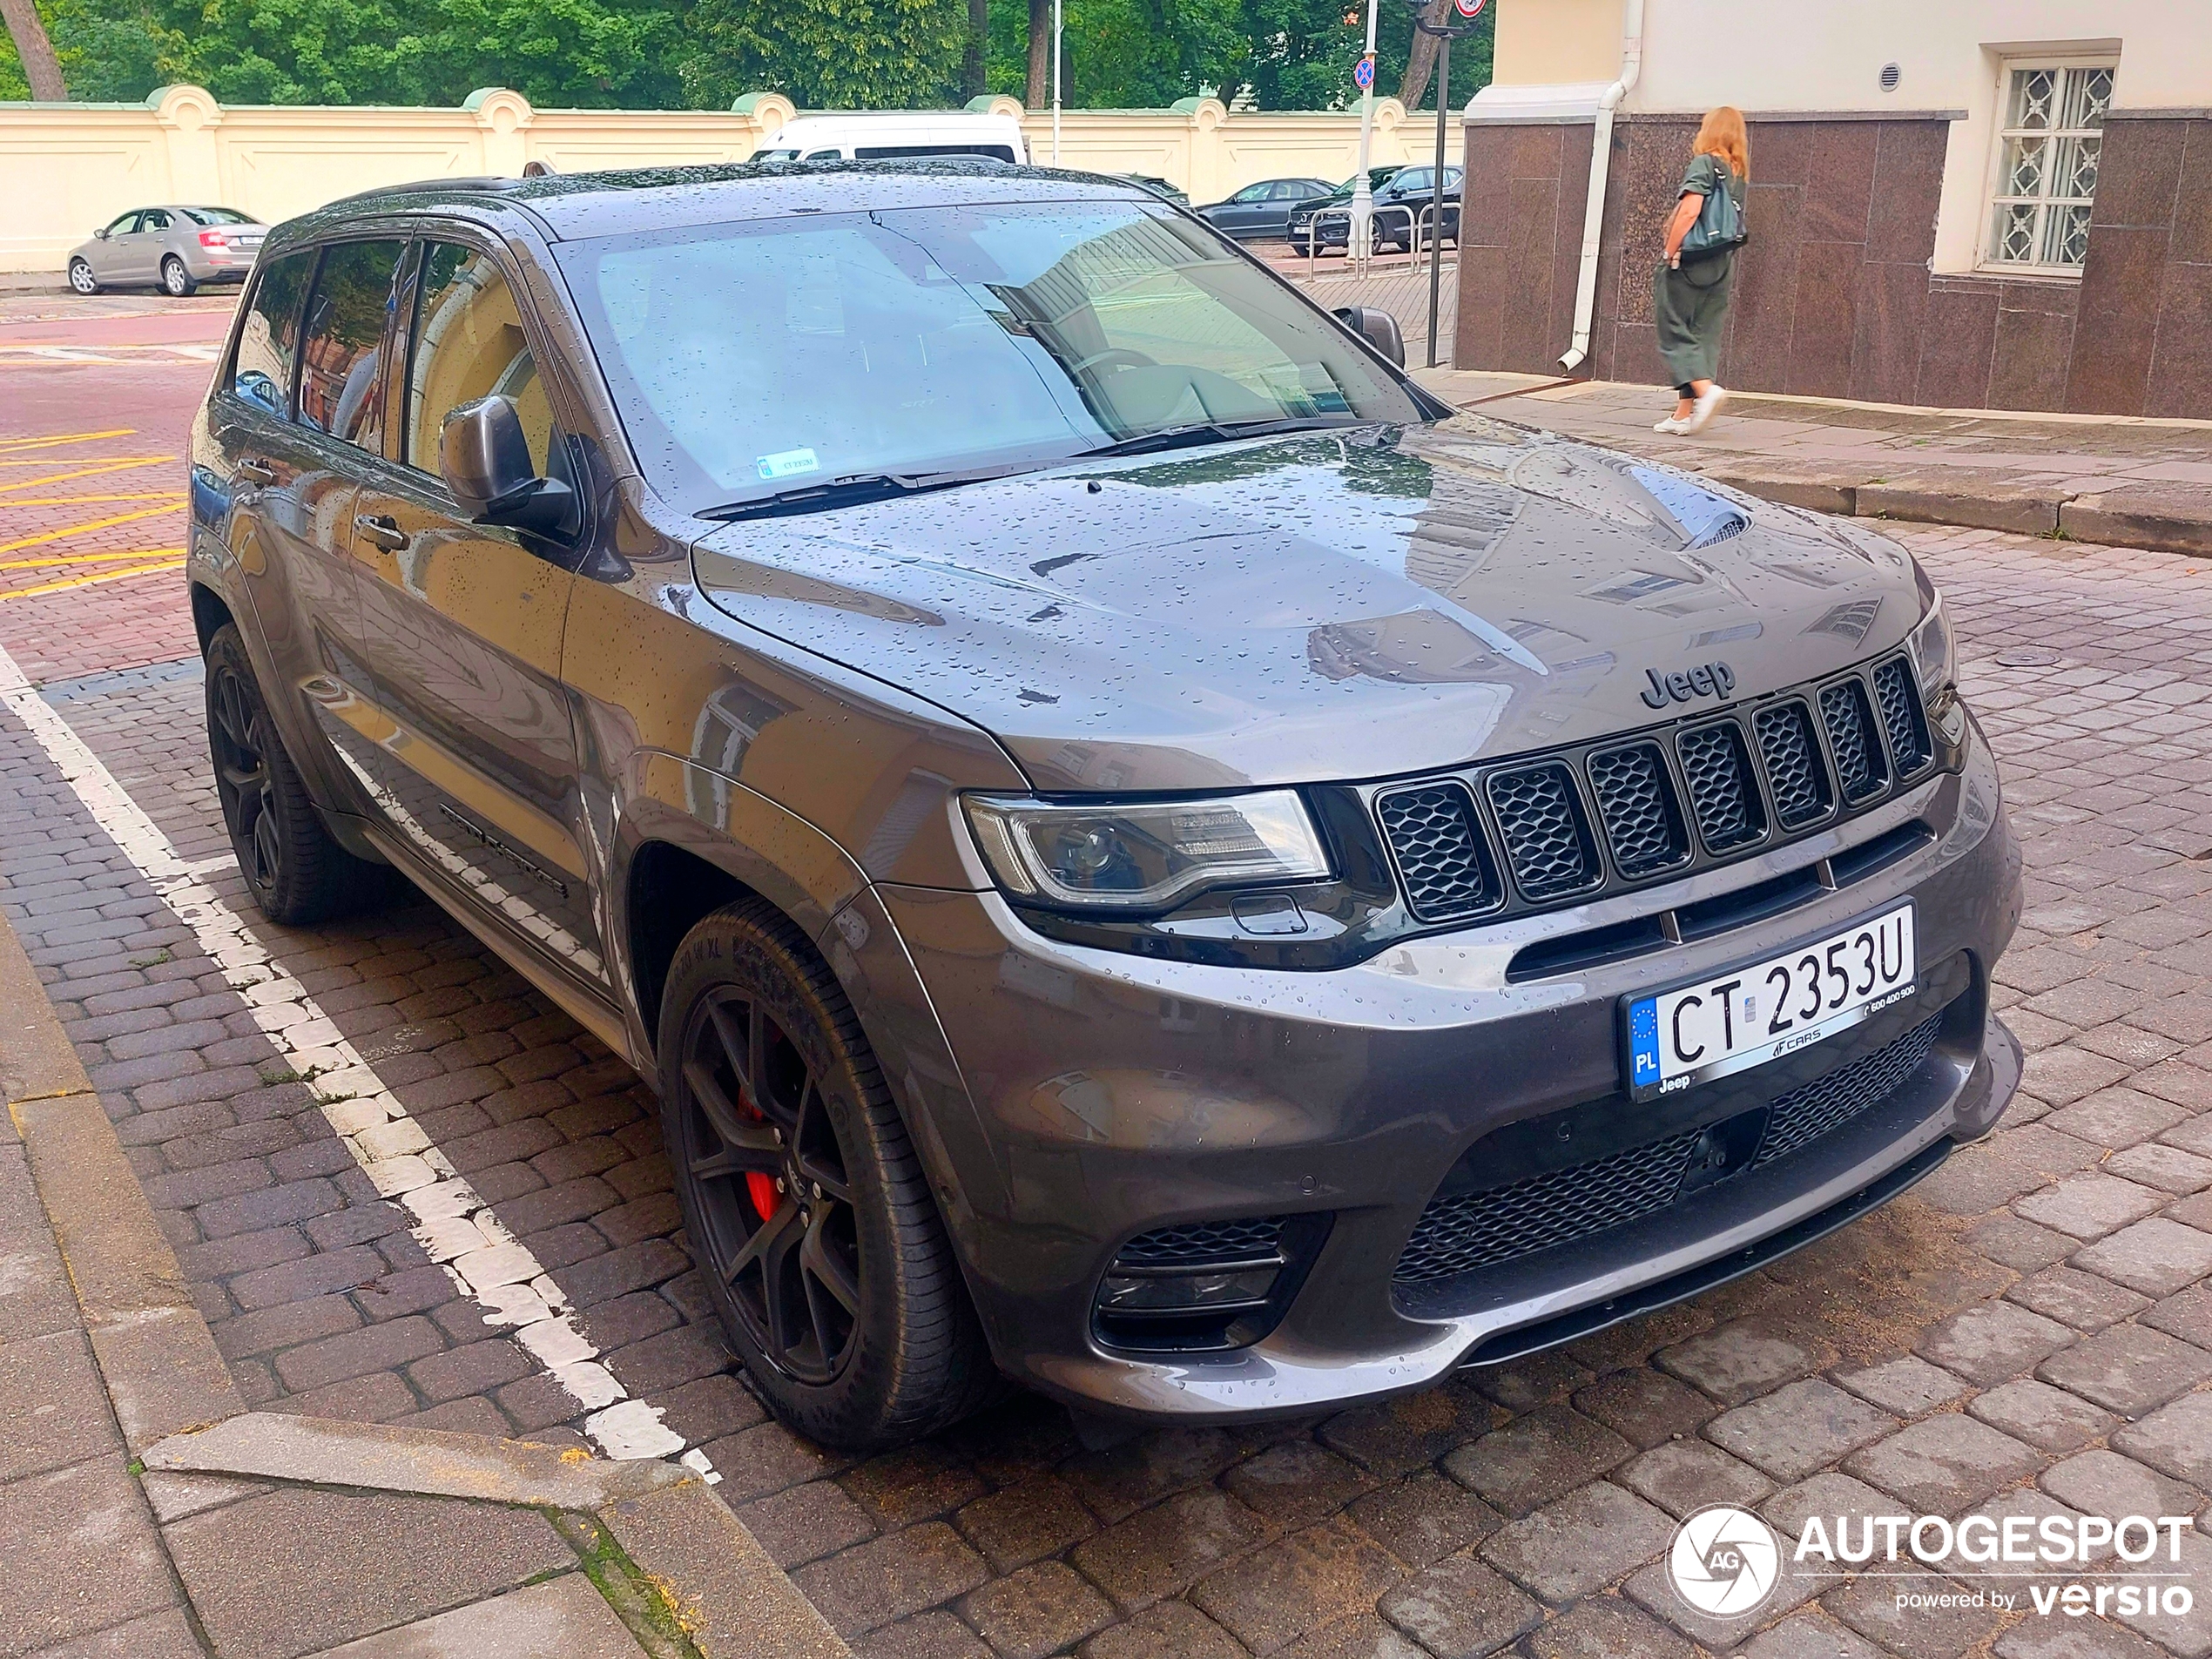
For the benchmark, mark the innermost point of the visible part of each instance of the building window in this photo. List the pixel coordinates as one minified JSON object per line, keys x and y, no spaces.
{"x":2052,"y":123}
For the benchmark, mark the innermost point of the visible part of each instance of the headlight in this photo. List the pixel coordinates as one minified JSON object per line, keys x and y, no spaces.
{"x":1935,"y":651}
{"x":1144,"y":855}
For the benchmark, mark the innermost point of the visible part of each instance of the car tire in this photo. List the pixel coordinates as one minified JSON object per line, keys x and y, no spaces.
{"x":805,"y":1201}
{"x":81,"y":279}
{"x":296,"y":871}
{"x":176,"y":281}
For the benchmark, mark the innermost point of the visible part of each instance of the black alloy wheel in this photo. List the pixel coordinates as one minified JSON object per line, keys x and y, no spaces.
{"x":805,"y":1201}
{"x":774,"y":1200}
{"x":296,"y":871}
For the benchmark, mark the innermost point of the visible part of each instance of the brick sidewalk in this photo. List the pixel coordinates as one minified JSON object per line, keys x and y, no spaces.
{"x":2027,"y":1324}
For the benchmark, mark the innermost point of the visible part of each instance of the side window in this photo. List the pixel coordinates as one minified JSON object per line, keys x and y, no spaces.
{"x":469,"y":343}
{"x":1291,"y":190}
{"x":338,"y":364}
{"x":262,"y":373}
{"x":154,"y":219}
{"x":1250,"y":193}
{"x":1411,"y":182}
{"x":125,"y":224}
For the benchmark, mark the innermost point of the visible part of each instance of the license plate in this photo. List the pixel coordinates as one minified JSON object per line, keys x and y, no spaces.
{"x":1750,"y":1015}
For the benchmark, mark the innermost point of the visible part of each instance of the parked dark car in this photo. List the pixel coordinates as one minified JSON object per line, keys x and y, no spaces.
{"x":1403,"y":198}
{"x":1261,"y":213}
{"x":1139,"y":851}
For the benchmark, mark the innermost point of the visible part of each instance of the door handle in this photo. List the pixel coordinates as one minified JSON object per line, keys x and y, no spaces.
{"x":259,"y":471}
{"x":382,"y":530}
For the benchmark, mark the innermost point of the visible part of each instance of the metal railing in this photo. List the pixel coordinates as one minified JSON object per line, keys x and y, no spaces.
{"x":1419,"y":238}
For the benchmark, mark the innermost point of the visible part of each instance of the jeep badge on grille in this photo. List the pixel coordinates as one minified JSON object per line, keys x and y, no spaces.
{"x":1714,"y":679}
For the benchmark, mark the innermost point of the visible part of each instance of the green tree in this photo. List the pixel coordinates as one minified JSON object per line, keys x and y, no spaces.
{"x":826,"y":53}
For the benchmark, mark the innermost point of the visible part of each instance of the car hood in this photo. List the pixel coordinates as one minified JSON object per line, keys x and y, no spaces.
{"x":1328,"y":606}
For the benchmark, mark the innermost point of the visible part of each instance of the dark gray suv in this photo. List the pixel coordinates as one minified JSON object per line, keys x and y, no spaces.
{"x":1140,"y":853}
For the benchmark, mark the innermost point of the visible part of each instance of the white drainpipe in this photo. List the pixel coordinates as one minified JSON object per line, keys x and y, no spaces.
{"x":1600,"y":161}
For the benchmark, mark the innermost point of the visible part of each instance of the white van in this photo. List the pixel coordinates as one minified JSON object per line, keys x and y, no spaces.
{"x":894,"y":133}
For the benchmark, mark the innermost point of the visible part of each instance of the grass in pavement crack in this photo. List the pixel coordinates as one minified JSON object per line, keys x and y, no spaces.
{"x":646,"y":1605}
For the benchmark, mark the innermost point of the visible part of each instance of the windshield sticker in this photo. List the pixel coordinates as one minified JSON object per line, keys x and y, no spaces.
{"x":788,"y":463}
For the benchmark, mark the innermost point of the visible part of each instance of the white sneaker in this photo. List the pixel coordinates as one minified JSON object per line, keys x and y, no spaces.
{"x":1708,"y":406}
{"x":1674,"y":426}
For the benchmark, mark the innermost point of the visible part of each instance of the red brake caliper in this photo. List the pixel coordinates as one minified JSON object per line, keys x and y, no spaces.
{"x":759,"y":1185}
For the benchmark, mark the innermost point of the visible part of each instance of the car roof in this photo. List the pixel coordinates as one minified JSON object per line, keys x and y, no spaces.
{"x":572,"y":206}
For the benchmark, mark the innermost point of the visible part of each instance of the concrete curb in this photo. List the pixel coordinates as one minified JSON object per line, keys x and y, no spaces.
{"x":318,"y":1451}
{"x":180,"y":1412}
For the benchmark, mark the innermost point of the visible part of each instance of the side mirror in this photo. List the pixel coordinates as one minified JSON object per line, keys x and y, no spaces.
{"x":486,"y":463}
{"x":1377,"y":327}
{"x":100,"y":235}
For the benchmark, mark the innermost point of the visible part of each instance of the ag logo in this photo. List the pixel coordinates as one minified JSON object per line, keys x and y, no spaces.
{"x":1724,"y":1560}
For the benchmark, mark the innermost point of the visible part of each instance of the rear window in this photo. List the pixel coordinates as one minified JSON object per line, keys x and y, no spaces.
{"x":220,"y":216}
{"x":896,"y":152}
{"x":261,"y":372}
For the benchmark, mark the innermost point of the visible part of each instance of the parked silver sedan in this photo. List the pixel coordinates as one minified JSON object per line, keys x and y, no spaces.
{"x":175,"y":249}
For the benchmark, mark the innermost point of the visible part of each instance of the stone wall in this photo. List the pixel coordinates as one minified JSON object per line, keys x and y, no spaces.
{"x":1834,"y":294}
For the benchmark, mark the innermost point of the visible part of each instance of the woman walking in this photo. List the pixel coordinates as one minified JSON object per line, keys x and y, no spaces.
{"x":1689,"y":292}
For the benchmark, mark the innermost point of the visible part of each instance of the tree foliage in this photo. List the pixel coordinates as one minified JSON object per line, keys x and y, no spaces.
{"x":824,"y":54}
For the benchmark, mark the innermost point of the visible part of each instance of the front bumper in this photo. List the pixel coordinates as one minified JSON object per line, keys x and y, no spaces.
{"x":1116,"y":1094}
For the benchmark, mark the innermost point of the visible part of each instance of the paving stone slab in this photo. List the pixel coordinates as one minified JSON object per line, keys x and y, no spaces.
{"x":1605,"y":1626}
{"x":2099,"y":1482}
{"x":2048,"y":1418}
{"x":563,"y":1618}
{"x":1535,"y":1459}
{"x":55,"y":1523}
{"x":1586,"y":1540}
{"x":1905,"y":1388}
{"x":1460,"y":1609}
{"x":1738,"y":1361}
{"x":1683,"y":1476}
{"x":1798,"y":1428}
{"x":1810,"y":1634}
{"x":1993,"y":1342}
{"x":2155,"y":1257}
{"x":2128,"y":1369}
{"x":1945,"y":1464}
{"x":2175,"y":1439}
{"x":1309,"y":1580}
{"x":1423,"y":1517}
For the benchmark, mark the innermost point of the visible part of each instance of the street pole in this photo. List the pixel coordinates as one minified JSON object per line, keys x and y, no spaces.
{"x":1363,"y":194}
{"x":1436,"y":194}
{"x":1056,"y":82}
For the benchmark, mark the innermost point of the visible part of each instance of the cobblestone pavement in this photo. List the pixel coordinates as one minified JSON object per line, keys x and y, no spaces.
{"x":2027,"y":1333}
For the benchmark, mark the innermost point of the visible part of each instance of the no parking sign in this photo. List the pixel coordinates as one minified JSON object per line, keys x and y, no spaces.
{"x":1468,"y":8}
{"x":1363,"y":72}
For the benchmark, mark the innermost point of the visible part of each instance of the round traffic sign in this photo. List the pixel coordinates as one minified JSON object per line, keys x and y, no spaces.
{"x":1467,"y":8}
{"x":1363,"y":72}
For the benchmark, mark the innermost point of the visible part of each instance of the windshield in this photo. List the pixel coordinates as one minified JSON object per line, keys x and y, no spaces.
{"x":775,"y":155}
{"x":751,"y":359}
{"x":221,"y":216}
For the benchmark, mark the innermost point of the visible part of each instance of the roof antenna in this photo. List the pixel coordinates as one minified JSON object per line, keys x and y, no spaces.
{"x":538,"y":170}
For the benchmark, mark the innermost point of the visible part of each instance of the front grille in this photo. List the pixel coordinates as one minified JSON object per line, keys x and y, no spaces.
{"x":1794,"y":769}
{"x":1901,"y":717}
{"x":1636,"y":802}
{"x":1441,"y":856}
{"x":1859,"y":763}
{"x":1723,"y":794}
{"x":1546,"y":842}
{"x":1523,"y":834}
{"x":1204,"y":1244}
{"x":1460,"y":1233}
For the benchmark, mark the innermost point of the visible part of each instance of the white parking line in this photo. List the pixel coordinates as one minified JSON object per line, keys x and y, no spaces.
{"x":452,"y":1222}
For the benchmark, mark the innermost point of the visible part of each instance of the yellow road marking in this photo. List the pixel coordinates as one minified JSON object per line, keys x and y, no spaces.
{"x":78,"y":530}
{"x":89,"y":581}
{"x":92,"y":559}
{"x":48,"y":461}
{"x":84,"y":472}
{"x":73,"y":501}
{"x":10,"y":446}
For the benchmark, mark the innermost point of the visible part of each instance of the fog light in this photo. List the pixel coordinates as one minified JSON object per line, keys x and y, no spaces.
{"x":1192,"y":1292}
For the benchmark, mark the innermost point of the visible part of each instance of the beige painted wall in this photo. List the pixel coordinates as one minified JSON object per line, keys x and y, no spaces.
{"x":1792,"y":55}
{"x":71,"y":167}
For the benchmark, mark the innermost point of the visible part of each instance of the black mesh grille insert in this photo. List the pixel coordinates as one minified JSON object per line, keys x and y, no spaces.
{"x":1546,"y":841}
{"x":1901,"y":717}
{"x":1636,"y":803}
{"x":1464,"y":1232}
{"x":1805,"y":1114}
{"x":1199,"y":1243}
{"x":1794,"y":768}
{"x":1723,"y":793}
{"x":1859,"y":763}
{"x":1438,"y":846}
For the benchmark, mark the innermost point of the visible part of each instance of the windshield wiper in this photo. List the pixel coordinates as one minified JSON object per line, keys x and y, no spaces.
{"x":1181,"y":437}
{"x":849,"y":491}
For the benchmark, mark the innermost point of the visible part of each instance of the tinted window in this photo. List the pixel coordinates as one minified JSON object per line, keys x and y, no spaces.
{"x":220,"y":216}
{"x":896,"y":151}
{"x":345,"y":328}
{"x":1253,"y":193}
{"x":125,"y":224}
{"x":1413,"y":180}
{"x":754,"y":357}
{"x":469,"y":343}
{"x":261,"y":372}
